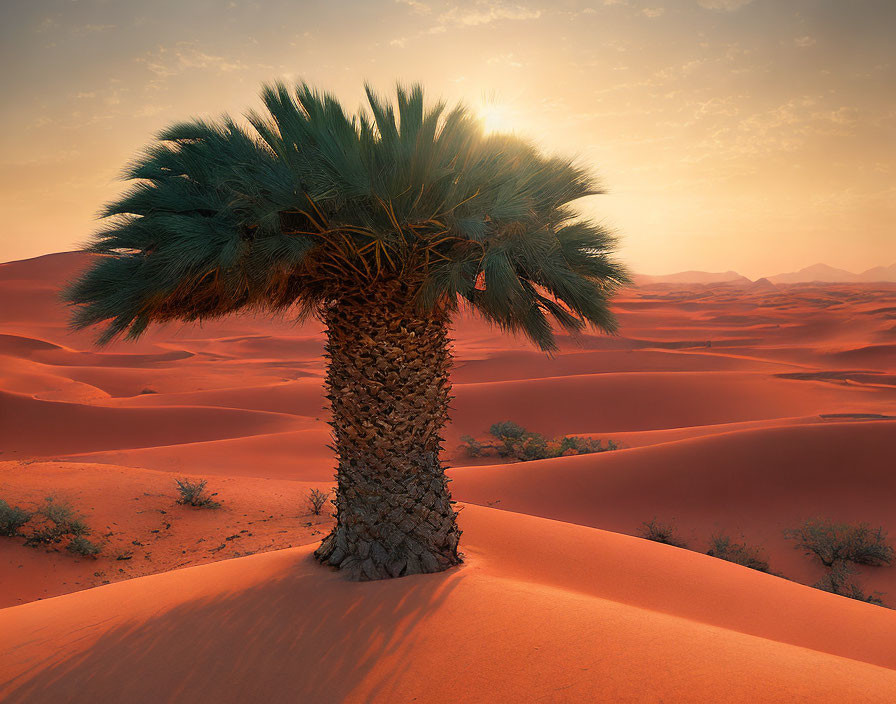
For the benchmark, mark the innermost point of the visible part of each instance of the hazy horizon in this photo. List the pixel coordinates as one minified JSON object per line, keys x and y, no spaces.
{"x":730,"y":134}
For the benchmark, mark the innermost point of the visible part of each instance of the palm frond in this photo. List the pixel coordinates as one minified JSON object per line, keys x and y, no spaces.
{"x":310,"y":202}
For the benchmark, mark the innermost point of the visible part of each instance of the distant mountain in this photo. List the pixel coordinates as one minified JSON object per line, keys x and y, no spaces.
{"x":823,"y":272}
{"x":762,"y":284}
{"x":693,"y":277}
{"x":880,"y":273}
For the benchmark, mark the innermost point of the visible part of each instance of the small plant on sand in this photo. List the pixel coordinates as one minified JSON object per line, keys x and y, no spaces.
{"x":835,"y":543}
{"x":840,"y":580}
{"x":317,"y":499}
{"x":80,"y":545}
{"x":194,"y":494}
{"x":661,"y":533}
{"x":515,"y":441}
{"x":12,"y":518}
{"x":56,"y":521}
{"x":839,"y":546}
{"x":722,"y":547}
{"x":472,"y":446}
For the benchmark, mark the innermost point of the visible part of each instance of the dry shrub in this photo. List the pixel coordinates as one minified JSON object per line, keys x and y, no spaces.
{"x":835,"y":543}
{"x":317,"y":499}
{"x":12,"y":518}
{"x":722,"y":547}
{"x":193,"y":494}
{"x":661,"y":533}
{"x":56,"y":521}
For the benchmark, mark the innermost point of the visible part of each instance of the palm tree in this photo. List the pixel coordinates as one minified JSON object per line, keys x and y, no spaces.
{"x":382,"y":224}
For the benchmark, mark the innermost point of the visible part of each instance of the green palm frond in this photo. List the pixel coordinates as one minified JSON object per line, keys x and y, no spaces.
{"x":308,"y":202}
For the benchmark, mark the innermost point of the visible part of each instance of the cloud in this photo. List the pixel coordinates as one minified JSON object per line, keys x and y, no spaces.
{"x":510,"y":60}
{"x":727,"y":5}
{"x":418,"y":7}
{"x":400,"y":42}
{"x":487,"y":12}
{"x":165,"y":61}
{"x":803,"y":42}
{"x":653,"y":12}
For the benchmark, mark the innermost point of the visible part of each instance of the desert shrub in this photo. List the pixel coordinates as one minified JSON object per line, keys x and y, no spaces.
{"x":507,"y":430}
{"x":840,"y":580}
{"x":194,"y":494}
{"x":722,"y":547}
{"x":531,"y":446}
{"x":515,"y":441}
{"x":53,"y":521}
{"x":82,"y":546}
{"x":510,"y":435}
{"x":836,"y":543}
{"x":317,"y":499}
{"x":472,"y":446}
{"x":661,"y":533}
{"x":12,"y":518}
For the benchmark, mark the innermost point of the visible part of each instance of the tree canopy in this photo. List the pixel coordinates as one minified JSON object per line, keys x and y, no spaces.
{"x":303,"y":201}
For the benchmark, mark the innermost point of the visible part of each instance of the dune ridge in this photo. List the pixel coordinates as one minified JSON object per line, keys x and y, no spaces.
{"x":304,"y":634}
{"x":739,"y":408}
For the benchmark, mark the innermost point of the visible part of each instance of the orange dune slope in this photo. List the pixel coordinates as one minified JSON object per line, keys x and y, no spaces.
{"x":36,"y":428}
{"x":541,"y":611}
{"x":754,"y":483}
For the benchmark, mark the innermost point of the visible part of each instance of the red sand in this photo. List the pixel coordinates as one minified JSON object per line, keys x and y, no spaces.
{"x":525,"y":619}
{"x":740,"y":409}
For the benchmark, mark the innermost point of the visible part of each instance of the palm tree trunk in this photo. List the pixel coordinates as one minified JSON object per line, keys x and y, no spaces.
{"x":388,"y":388}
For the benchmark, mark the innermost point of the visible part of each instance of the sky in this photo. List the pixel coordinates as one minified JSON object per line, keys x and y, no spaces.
{"x":749,"y":135}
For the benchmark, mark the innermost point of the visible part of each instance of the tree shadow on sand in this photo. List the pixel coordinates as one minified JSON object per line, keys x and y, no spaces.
{"x":305,"y":636}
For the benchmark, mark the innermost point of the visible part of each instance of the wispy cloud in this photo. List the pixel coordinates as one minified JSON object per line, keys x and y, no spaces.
{"x":727,"y":5}
{"x":419,"y":7}
{"x":486,"y":13}
{"x":170,"y":61}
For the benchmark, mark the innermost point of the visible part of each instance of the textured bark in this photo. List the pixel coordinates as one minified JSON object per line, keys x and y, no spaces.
{"x":388,"y":388}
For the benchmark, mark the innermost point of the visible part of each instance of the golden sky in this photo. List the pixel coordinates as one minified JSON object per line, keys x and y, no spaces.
{"x":754,"y":135}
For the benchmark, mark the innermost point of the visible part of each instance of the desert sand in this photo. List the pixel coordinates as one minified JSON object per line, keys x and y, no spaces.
{"x":743,"y":408}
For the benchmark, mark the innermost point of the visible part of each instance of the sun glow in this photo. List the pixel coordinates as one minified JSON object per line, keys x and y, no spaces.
{"x":495,"y":118}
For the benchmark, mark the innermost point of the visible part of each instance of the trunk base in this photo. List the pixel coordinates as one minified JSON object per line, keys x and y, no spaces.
{"x":411,"y":529}
{"x":381,"y":563}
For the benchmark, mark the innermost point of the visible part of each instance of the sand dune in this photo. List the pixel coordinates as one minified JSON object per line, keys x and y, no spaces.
{"x":133,"y":513}
{"x":753,"y":483}
{"x":652,"y":401}
{"x":300,"y":455}
{"x":740,"y":408}
{"x":34,"y":428}
{"x":533,"y":615}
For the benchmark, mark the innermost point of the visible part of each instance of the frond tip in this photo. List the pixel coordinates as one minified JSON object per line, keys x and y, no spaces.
{"x":308,"y":202}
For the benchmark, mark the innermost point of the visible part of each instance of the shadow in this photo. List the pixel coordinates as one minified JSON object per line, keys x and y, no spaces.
{"x":305,"y":636}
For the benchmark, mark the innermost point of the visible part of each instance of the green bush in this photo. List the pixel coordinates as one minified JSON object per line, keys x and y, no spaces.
{"x":56,"y":521}
{"x":836,"y":543}
{"x":82,"y":546}
{"x":515,"y":441}
{"x":193,"y":494}
{"x":722,"y":547}
{"x":507,"y":429}
{"x":661,"y":533}
{"x":472,"y":446}
{"x":12,"y":518}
